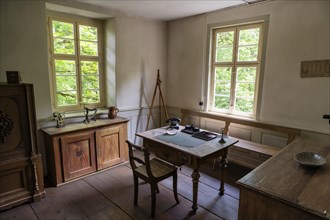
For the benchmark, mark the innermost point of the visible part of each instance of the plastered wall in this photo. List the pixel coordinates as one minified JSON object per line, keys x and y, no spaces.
{"x":135,"y":50}
{"x":298,"y":31}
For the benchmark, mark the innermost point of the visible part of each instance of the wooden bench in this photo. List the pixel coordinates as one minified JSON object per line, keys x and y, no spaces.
{"x":246,"y":152}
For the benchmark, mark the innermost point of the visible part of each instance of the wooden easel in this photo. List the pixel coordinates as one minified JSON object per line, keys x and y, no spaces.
{"x":161,"y":99}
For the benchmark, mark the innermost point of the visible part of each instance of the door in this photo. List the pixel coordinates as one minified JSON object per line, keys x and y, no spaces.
{"x":110,"y":146}
{"x":78,"y":153}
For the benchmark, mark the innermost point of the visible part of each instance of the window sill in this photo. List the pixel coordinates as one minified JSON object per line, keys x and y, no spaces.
{"x":228,"y":115}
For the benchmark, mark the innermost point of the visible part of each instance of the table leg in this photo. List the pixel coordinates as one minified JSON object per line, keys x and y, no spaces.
{"x":195,"y":179}
{"x":223,"y":164}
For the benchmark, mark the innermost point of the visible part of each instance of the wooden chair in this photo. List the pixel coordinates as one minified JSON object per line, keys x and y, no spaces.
{"x":152,"y":172}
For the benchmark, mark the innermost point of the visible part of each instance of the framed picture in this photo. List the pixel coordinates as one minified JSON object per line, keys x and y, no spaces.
{"x":12,"y":77}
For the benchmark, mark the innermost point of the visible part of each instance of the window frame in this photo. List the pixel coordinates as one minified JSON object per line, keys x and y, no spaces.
{"x":210,"y":78}
{"x":77,"y":58}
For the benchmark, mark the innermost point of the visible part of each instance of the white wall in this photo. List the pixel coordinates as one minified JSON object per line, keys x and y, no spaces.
{"x":140,"y":51}
{"x":298,"y":31}
{"x":23,"y":48}
{"x":135,"y":49}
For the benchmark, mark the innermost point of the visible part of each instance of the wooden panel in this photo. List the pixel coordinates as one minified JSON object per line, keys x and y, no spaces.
{"x":78,"y":153}
{"x":21,"y":176}
{"x":14,"y":106}
{"x":256,"y":206}
{"x":274,"y":140}
{"x":109,"y":146}
{"x":15,"y":187}
{"x":315,"y":68}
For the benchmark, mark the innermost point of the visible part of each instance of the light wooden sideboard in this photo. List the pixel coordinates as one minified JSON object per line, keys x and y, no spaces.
{"x":76,"y":150}
{"x":281,"y":188}
{"x":21,"y":175}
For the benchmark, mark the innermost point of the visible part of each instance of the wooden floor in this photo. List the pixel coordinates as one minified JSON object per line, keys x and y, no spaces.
{"x":109,"y":195}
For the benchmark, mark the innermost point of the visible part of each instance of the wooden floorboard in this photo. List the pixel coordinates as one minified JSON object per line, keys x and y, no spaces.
{"x":109,"y":195}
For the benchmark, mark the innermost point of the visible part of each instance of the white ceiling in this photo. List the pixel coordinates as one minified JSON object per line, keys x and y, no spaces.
{"x":154,"y":9}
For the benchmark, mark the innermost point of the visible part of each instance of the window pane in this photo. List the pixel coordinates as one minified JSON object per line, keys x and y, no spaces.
{"x":221,"y":102}
{"x":64,"y":83}
{"x":63,"y":30}
{"x":248,"y":44}
{"x":223,"y":73}
{"x":246,"y":74}
{"x":224,"y":46}
{"x":91,"y":96}
{"x":89,"y":67}
{"x":66,"y":98}
{"x":245,"y":90}
{"x":88,"y":48}
{"x":65,"y":67}
{"x":87,"y":33}
{"x":222,"y":88}
{"x":244,"y":105}
{"x":224,"y":54}
{"x":90,"y":82}
{"x":225,"y":38}
{"x":63,"y":35}
{"x":248,"y":53}
{"x":249,"y":36}
{"x":63,"y":46}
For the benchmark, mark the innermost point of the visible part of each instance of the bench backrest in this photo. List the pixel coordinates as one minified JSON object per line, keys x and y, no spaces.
{"x":290,"y":133}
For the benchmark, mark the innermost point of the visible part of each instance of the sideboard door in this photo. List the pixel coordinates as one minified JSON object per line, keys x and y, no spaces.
{"x":78,"y":153}
{"x":110,"y":146}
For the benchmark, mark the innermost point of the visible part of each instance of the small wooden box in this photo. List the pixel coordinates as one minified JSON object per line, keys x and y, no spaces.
{"x":12,"y":77}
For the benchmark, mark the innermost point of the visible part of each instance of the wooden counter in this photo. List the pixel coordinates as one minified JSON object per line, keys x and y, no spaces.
{"x":281,"y":188}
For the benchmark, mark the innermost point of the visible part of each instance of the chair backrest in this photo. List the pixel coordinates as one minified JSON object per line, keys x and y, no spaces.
{"x":133,"y":158}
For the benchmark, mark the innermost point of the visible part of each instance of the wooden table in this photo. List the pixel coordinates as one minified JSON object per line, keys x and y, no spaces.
{"x":197,"y":155}
{"x":281,"y":188}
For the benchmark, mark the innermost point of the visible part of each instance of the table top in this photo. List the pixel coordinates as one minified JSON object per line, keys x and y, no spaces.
{"x":202,"y":149}
{"x":283,"y":178}
{"x":83,"y":126}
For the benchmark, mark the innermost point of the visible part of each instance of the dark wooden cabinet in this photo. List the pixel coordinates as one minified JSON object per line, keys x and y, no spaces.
{"x":79,"y":149}
{"x":21,"y":176}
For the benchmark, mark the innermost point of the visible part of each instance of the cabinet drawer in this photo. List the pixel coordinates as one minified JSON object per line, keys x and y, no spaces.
{"x":166,"y":153}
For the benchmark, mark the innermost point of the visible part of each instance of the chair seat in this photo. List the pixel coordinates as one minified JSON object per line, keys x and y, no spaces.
{"x":151,"y":171}
{"x":158,"y":167}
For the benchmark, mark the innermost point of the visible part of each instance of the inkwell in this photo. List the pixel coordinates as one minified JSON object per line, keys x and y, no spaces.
{"x":222,"y":140}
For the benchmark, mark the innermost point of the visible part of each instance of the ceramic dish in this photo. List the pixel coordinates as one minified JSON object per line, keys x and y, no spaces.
{"x":171,"y":131}
{"x":310,"y":159}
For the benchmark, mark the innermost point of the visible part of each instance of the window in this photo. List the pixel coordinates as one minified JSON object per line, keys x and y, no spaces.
{"x":76,"y":63}
{"x":236,"y":62}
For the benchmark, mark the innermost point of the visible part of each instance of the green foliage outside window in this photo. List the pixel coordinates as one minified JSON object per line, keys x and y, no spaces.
{"x":248,"y":44}
{"x":88,"y":40}
{"x":63,"y":34}
{"x":224,"y":48}
{"x":242,"y":93}
{"x":73,"y":84}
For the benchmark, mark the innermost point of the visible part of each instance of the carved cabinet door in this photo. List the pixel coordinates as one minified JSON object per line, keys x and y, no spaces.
{"x":110,"y":144}
{"x":78,"y":154}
